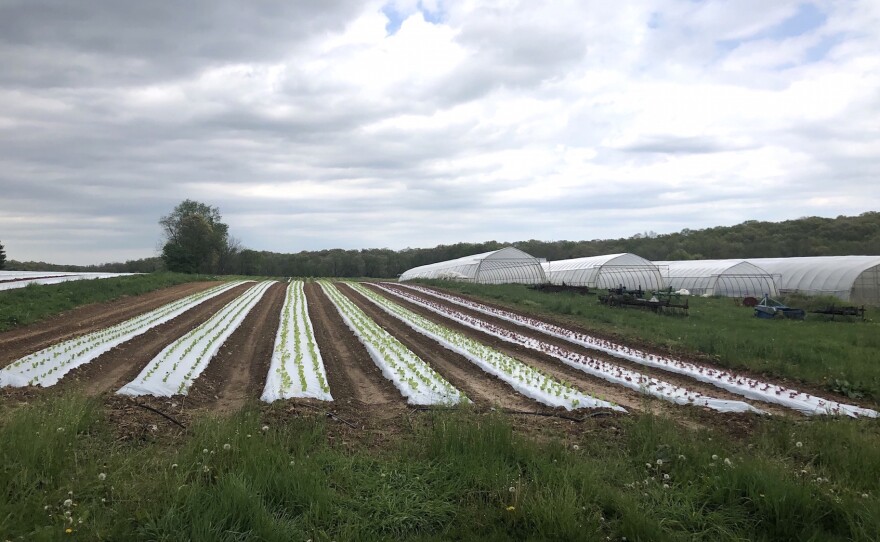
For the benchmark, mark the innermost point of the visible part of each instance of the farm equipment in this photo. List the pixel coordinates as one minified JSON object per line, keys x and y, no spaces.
{"x":770,"y":308}
{"x":833,"y":310}
{"x":661,"y":301}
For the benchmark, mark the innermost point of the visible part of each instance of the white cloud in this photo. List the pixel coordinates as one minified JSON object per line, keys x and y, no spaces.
{"x":471,"y":121}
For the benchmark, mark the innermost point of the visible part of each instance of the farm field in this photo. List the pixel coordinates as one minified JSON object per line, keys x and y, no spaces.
{"x":550,"y":438}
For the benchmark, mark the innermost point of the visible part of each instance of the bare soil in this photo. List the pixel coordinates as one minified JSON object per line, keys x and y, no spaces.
{"x":676,"y":379}
{"x":483,"y":389}
{"x":18,"y":343}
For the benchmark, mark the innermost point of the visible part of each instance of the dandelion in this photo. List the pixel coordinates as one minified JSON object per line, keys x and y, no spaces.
{"x":864,"y":495}
{"x":511,"y":508}
{"x":727,"y":461}
{"x":68,"y":530}
{"x":227,"y":446}
{"x":292,"y":463}
{"x":60,"y":429}
{"x":68,"y":503}
{"x":681,"y":457}
{"x":799,"y":444}
{"x":265,"y":428}
{"x":249,"y":435}
{"x":659,"y":462}
{"x":647,"y":465}
{"x":511,"y":489}
{"x":575,"y":447}
{"x":665,"y":486}
{"x":102,"y":477}
{"x":173,"y":466}
{"x":205,"y":451}
{"x":666,"y":477}
{"x":206,"y":469}
{"x":714,"y":457}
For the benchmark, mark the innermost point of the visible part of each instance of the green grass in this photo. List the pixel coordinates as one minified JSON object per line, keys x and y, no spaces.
{"x":842,"y":357}
{"x":23,"y":306}
{"x":457,"y":475}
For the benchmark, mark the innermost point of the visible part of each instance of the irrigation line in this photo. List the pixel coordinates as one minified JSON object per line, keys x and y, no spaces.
{"x":160,"y":413}
{"x":330,"y":415}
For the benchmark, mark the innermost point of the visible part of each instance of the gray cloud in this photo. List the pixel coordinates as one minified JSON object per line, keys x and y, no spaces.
{"x":533,"y":121}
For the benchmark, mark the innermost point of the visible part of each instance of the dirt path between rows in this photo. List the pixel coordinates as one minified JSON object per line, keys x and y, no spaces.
{"x":18,"y":343}
{"x":595,"y":386}
{"x":112,"y":370}
{"x":480,"y":387}
{"x":237,"y":374}
{"x":676,"y":379}
{"x":354,"y":379}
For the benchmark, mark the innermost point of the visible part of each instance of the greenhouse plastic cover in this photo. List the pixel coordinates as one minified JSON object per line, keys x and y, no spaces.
{"x":507,"y":265}
{"x":829,"y":275}
{"x":718,"y":277}
{"x":607,"y":271}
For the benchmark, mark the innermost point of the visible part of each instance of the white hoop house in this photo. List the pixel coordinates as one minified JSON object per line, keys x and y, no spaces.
{"x":730,"y":278}
{"x":851,"y":278}
{"x":608,"y":271}
{"x":508,"y":265}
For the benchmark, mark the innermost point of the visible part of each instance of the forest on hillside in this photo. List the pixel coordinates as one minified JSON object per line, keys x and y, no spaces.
{"x":809,"y":236}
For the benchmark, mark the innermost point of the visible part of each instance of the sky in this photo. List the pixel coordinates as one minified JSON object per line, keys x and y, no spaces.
{"x":411,"y":123}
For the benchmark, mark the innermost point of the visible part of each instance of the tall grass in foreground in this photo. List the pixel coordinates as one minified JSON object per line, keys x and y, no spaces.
{"x":840,"y":356}
{"x":459,"y":475}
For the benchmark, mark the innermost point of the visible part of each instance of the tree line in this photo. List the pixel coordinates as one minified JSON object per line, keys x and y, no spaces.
{"x":196,"y":240}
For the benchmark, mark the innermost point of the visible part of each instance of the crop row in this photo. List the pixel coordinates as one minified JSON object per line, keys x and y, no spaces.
{"x":174,"y":369}
{"x":728,"y":380}
{"x":296,"y":353}
{"x":592,"y":366}
{"x":522,"y":377}
{"x":48,"y":366}
{"x":415,"y":379}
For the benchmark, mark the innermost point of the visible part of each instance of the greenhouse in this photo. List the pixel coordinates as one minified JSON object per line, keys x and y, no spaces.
{"x":508,"y":265}
{"x":851,"y":278}
{"x":729,"y":278}
{"x":609,"y":271}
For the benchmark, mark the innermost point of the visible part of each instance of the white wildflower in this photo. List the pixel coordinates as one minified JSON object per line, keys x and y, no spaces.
{"x":227,"y":446}
{"x":102,"y":477}
{"x":714,"y":457}
{"x":727,"y":461}
{"x":68,"y":503}
{"x":799,"y":444}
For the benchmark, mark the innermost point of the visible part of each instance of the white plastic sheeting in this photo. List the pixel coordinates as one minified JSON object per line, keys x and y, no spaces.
{"x":11,"y":279}
{"x":729,"y":278}
{"x":521,"y":377}
{"x":48,"y":366}
{"x":739,"y":384}
{"x":414,"y":378}
{"x":616,"y":374}
{"x":608,"y":271}
{"x":508,"y":265}
{"x":176,"y":367}
{"x":296,"y":369}
{"x":851,"y":278}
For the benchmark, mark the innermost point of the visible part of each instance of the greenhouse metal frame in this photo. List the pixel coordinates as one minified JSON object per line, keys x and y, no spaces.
{"x":505,"y":266}
{"x":607,"y":271}
{"x":727,"y":278}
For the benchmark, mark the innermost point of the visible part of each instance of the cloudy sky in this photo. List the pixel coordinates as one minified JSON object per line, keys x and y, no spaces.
{"x":352,"y":124}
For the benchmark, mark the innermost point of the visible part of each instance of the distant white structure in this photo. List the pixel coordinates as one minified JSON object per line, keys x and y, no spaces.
{"x":507,"y":265}
{"x":608,"y":271}
{"x":850,"y":278}
{"x":11,"y":280}
{"x":729,"y":278}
